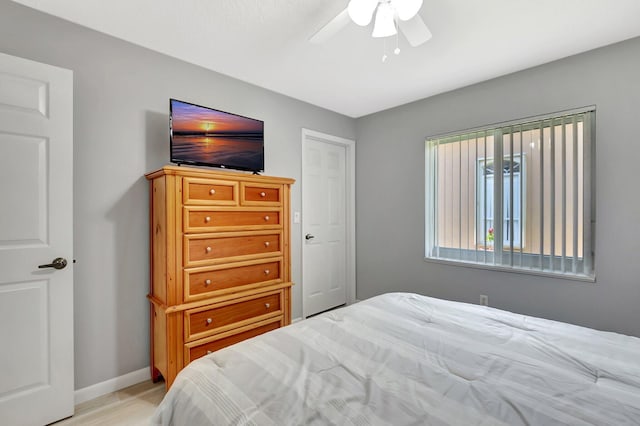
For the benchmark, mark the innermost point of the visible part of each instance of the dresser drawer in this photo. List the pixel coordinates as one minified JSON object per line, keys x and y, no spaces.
{"x":196,"y":350}
{"x":205,"y":321}
{"x":209,"y":191}
{"x":260,"y":194}
{"x":201,"y":283}
{"x":225,"y":247}
{"x":199,"y":219}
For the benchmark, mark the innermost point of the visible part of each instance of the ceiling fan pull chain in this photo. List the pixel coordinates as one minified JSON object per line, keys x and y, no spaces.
{"x":384,"y":49}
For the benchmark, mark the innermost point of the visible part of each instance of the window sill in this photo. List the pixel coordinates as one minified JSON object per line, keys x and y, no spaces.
{"x":543,"y":273}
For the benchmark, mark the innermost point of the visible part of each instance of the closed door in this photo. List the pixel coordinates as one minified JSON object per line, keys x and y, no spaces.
{"x":324,"y":225}
{"x":36,"y":304}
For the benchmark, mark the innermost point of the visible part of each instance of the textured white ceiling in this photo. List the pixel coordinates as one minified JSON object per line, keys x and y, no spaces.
{"x":265,"y":42}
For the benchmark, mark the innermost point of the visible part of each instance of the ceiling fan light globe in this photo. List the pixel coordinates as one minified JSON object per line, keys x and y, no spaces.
{"x":385,"y":24}
{"x":406,"y":9}
{"x":361,"y":11}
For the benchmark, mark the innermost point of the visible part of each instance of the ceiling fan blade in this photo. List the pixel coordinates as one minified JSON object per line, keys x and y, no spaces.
{"x":415,"y":30}
{"x":331,"y":28}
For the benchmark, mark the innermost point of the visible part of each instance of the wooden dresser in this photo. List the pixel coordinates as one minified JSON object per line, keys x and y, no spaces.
{"x":220,"y":268}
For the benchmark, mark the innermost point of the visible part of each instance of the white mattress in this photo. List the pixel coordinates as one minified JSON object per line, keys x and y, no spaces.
{"x":404,"y":359}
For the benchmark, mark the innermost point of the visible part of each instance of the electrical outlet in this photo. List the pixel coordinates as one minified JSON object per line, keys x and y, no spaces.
{"x":484,"y":300}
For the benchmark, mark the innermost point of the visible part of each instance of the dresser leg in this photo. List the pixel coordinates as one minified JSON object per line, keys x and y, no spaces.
{"x":155,"y":375}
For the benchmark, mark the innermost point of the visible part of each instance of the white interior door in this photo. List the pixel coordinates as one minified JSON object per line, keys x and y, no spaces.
{"x":36,"y":304}
{"x":327,"y":260}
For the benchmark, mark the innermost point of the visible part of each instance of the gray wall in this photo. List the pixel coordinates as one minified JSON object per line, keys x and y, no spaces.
{"x":390,"y":190}
{"x":121,"y":95}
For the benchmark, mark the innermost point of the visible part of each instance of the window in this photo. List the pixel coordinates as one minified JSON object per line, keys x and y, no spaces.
{"x":515,"y":195}
{"x":486,"y":172}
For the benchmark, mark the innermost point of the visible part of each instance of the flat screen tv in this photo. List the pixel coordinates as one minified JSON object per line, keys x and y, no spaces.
{"x":208,"y":137}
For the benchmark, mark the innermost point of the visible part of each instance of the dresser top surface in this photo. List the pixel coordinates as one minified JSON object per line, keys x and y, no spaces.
{"x":216,"y":174}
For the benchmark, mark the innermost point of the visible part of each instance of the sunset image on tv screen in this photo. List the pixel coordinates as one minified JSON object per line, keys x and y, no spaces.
{"x":206,"y":136}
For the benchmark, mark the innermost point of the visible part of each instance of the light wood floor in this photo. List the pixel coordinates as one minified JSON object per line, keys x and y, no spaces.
{"x":131,"y":406}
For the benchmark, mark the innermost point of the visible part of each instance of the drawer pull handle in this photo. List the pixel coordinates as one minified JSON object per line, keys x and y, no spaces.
{"x":207,"y":282}
{"x":267,"y":305}
{"x":212,"y":191}
{"x":209,"y":352}
{"x":266,"y":218}
{"x":207,"y":219}
{"x":208,"y":249}
{"x":266,"y":272}
{"x":267,"y":243}
{"x":263,"y":194}
{"x":209,"y":321}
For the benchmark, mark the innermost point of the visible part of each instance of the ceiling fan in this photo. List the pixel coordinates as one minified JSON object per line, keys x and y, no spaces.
{"x":389,"y":16}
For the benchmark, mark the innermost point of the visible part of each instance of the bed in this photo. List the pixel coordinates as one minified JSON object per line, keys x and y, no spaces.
{"x":405,"y":359}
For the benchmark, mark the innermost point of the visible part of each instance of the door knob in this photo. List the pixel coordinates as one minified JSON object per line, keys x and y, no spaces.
{"x":58,"y":263}
{"x":309,"y":237}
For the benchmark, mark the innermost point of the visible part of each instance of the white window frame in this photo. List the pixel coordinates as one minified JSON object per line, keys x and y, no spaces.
{"x":582,"y":268}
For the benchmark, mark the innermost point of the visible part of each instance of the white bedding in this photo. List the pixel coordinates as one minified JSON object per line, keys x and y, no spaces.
{"x":404,"y":359}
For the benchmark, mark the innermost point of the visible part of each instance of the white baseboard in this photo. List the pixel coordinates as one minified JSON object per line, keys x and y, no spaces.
{"x":111,"y":385}
{"x":295,"y":320}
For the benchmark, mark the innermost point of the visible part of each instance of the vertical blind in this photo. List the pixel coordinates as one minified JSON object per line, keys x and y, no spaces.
{"x":516,"y":195}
